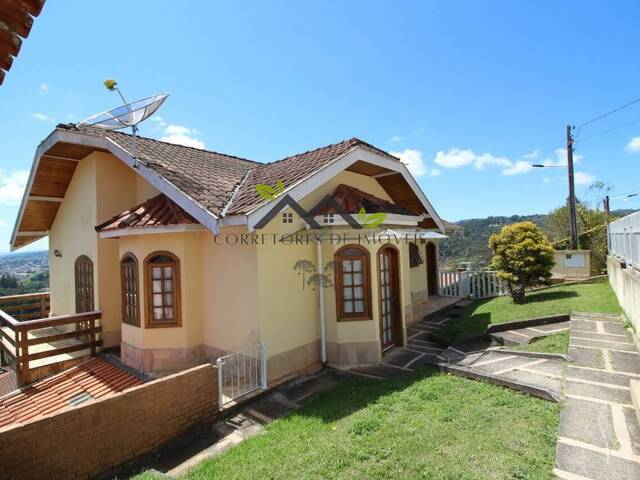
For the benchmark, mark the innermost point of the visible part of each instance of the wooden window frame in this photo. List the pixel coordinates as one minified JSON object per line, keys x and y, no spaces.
{"x":133,"y":321}
{"x":148,"y":285}
{"x":366,"y":283}
{"x":84,"y":259}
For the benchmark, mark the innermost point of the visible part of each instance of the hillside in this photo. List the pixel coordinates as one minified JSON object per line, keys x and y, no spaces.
{"x":470,"y":244}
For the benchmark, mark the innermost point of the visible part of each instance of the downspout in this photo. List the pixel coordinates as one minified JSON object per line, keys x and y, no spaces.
{"x":323,"y":333}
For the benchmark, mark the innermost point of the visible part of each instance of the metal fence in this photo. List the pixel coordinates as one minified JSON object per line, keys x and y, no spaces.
{"x":624,"y":239}
{"x":476,"y":285}
{"x":241,"y":373}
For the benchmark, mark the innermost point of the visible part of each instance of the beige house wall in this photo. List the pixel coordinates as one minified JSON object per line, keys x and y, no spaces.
{"x":625,"y":282}
{"x":233,"y":295}
{"x":101,"y":187}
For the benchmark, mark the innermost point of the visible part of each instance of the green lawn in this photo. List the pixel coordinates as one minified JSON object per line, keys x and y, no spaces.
{"x":555,"y":343}
{"x":585,"y":297}
{"x":426,"y":426}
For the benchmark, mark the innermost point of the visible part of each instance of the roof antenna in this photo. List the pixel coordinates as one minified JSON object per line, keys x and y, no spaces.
{"x":127,"y":115}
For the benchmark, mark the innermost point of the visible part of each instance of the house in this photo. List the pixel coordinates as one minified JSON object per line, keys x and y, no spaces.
{"x":179,"y":256}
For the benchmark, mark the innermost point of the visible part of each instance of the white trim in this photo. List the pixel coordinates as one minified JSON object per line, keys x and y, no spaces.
{"x":304,"y":187}
{"x":190,"y":205}
{"x":37,"y":198}
{"x":124,"y":232}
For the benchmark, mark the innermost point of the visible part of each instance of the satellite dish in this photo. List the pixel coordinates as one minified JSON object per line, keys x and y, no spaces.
{"x":128,"y":115}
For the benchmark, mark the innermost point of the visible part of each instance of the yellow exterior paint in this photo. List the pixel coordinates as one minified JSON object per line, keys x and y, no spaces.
{"x":233,"y":295}
{"x":102,"y":186}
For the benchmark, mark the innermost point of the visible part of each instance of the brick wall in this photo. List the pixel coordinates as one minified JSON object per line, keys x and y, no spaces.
{"x":92,"y":438}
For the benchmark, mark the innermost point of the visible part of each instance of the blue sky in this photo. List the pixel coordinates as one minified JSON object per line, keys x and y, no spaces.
{"x":468,"y":92}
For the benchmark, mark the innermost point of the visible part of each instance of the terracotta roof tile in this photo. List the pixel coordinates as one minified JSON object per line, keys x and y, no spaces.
{"x":95,"y":378}
{"x":225,"y":184}
{"x":158,"y":211}
{"x":351,"y":200}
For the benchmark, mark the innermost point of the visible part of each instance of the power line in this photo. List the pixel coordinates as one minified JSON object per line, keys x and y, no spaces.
{"x":632,"y":122}
{"x":600,"y":117}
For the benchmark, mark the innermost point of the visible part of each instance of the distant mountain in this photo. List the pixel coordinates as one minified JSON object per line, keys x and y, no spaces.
{"x":470,"y":244}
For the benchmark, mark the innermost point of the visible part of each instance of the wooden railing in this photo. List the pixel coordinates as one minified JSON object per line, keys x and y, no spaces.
{"x":35,"y":348}
{"x":30,"y":306}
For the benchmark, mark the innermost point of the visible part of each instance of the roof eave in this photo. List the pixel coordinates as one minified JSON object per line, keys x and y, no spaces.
{"x":188,"y":203}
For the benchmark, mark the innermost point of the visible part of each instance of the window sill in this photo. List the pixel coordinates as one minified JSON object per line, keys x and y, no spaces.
{"x":355,"y":319}
{"x":163,"y":325}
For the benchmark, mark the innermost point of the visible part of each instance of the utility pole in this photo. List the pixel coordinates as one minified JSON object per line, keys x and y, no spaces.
{"x":573,"y":221}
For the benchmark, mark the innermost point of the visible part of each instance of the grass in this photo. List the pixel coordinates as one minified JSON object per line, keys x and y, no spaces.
{"x":554,"y":343}
{"x":586,"y":297}
{"x":425,"y":426}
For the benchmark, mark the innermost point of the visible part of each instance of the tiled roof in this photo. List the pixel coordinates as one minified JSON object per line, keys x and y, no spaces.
{"x":207,"y":177}
{"x":16,"y":21}
{"x":95,"y":378}
{"x":158,"y":211}
{"x":7,"y":381}
{"x":291,"y":170}
{"x":351,"y":200}
{"x":224,"y":184}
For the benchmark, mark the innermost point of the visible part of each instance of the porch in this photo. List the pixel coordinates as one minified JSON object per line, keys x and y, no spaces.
{"x":35,"y":345}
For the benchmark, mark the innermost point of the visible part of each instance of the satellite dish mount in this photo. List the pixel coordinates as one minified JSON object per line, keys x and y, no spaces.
{"x":128,"y":115}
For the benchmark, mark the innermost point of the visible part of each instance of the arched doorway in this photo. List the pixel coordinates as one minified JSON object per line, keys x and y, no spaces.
{"x":432,"y":269}
{"x":389,"y":292}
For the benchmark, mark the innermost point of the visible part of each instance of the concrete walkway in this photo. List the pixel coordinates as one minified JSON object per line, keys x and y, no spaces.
{"x":599,"y":436}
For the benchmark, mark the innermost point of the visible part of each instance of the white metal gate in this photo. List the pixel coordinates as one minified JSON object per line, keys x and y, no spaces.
{"x":241,"y":373}
{"x":476,"y":285}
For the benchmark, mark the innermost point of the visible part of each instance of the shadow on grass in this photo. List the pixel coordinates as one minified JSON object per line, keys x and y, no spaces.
{"x":550,"y":296}
{"x":356,"y":393}
{"x":470,"y":324}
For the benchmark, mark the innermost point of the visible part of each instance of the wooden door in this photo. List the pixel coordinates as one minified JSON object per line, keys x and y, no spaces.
{"x":432,"y":269}
{"x":389,"y":291}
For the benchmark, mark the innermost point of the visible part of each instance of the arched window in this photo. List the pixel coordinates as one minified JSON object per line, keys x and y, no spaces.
{"x":129,"y":290}
{"x":163,"y":290}
{"x":84,"y":284}
{"x":353,"y":283}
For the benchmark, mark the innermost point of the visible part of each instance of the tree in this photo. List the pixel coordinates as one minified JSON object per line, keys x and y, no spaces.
{"x":523,"y":257}
{"x":592,"y":233}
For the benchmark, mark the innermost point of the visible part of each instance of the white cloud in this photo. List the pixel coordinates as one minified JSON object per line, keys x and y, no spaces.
{"x":3,"y":224}
{"x":396,"y":139}
{"x":418,"y":131}
{"x":583,"y":178}
{"x":182,"y":136}
{"x":521,"y":166}
{"x":633,"y":146}
{"x":455,"y":158}
{"x":12,"y":186}
{"x":560,"y":159}
{"x":43,"y":88}
{"x":415,"y":163}
{"x":42,"y":117}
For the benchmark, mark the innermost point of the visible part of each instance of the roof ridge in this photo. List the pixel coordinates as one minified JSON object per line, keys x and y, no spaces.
{"x":236,"y":190}
{"x":308,"y":151}
{"x":72,"y":126}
